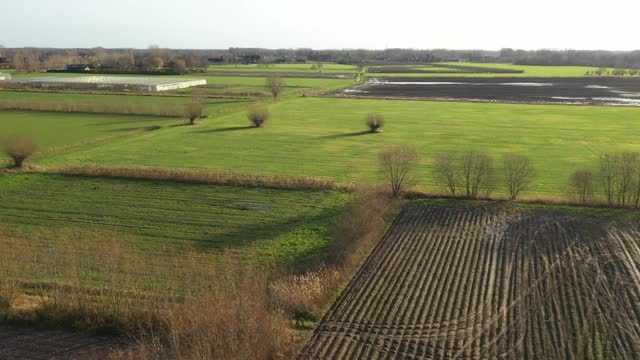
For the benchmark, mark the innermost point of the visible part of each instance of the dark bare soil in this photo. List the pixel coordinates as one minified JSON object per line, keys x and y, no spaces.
{"x":441,"y":69}
{"x":588,"y":90}
{"x":484,"y":283}
{"x":282,"y":74}
{"x":25,"y":343}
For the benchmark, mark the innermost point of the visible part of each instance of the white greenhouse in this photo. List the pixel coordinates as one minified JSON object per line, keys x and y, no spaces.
{"x":111,"y":83}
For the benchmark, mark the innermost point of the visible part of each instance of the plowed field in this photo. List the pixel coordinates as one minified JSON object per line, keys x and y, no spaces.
{"x":487,"y":282}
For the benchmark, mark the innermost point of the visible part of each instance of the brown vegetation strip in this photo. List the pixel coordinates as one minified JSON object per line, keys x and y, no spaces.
{"x":478,"y":282}
{"x":202,"y":177}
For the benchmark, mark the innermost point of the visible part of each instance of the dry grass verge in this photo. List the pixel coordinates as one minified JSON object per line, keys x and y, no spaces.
{"x":187,"y":306}
{"x":307,"y":296}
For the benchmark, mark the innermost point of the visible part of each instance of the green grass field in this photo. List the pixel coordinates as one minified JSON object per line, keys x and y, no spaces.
{"x":325,"y":137}
{"x":260,"y":224}
{"x":54,"y":130}
{"x":212,"y":105}
{"x":303,"y":68}
{"x":529,"y":71}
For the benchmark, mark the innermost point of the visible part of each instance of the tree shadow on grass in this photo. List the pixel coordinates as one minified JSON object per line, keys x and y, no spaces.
{"x":346,"y":135}
{"x":247,"y":235}
{"x":225,"y":129}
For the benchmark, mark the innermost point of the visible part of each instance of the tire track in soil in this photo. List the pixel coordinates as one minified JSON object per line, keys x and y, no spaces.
{"x":449,"y":281}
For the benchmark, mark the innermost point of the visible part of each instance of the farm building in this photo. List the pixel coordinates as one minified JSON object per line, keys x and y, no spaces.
{"x":111,"y":83}
{"x":77,"y":68}
{"x":5,"y":77}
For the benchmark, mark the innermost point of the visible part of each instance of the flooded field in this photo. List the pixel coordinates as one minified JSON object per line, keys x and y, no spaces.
{"x":598,"y":91}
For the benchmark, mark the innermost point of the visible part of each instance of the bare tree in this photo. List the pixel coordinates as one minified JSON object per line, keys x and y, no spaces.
{"x":608,"y":176}
{"x":618,"y":173}
{"x":375,"y":122}
{"x":519,"y":173}
{"x":627,"y":167}
{"x":396,"y":164}
{"x":478,"y":174}
{"x":18,"y":148}
{"x":447,"y":172}
{"x":581,"y":186}
{"x":27,"y":60}
{"x":275,"y":86}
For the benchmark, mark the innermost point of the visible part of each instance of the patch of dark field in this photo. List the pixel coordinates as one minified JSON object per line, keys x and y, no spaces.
{"x":282,"y":74}
{"x":32,"y":344}
{"x":450,"y":282}
{"x":581,"y":91}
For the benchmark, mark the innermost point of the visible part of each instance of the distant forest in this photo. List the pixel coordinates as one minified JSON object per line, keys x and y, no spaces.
{"x":155,"y":58}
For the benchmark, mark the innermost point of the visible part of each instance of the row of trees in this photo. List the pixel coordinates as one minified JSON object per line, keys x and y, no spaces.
{"x":618,"y":59}
{"x":615,"y":181}
{"x":472,"y":174}
{"x":151,"y":59}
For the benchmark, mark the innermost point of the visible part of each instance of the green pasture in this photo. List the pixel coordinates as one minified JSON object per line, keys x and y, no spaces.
{"x":326,"y":137}
{"x":57,"y":130}
{"x":529,"y":71}
{"x":304,"y":68}
{"x":212,"y":105}
{"x":260,"y":224}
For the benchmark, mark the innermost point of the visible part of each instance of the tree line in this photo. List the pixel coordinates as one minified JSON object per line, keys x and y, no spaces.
{"x":613,"y":182}
{"x":471,"y":174}
{"x":595,"y":58}
{"x":156,"y":57}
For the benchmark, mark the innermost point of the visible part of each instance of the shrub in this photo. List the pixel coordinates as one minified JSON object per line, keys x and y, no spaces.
{"x":19,"y":149}
{"x":258,"y":116}
{"x":375,"y":122}
{"x":304,"y":296}
{"x":194,"y":111}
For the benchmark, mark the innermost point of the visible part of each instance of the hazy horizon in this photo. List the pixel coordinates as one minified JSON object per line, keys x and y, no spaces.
{"x":332,"y":24}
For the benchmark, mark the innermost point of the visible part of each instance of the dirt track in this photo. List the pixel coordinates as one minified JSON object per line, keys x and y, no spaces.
{"x":30,"y":344}
{"x":455,"y":282}
{"x":586,"y":90}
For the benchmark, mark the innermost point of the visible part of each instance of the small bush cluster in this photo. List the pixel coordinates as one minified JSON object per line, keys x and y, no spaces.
{"x":18,"y":148}
{"x":258,"y":116}
{"x":614,"y":182}
{"x":375,"y":122}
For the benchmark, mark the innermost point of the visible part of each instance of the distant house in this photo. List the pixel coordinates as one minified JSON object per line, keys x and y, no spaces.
{"x":216,"y":60}
{"x":4,"y":60}
{"x":250,"y":59}
{"x":77,"y":68}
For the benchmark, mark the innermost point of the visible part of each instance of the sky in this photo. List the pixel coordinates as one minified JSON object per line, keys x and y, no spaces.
{"x":322,"y":24}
